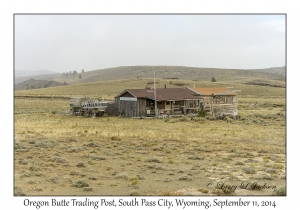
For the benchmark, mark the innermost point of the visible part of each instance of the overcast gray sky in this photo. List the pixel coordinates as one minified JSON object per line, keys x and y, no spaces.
{"x":73,"y":42}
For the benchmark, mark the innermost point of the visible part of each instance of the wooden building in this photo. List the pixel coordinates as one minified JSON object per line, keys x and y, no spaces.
{"x":170,"y":101}
{"x":218,"y":101}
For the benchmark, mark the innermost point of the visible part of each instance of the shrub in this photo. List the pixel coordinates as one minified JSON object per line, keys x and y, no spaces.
{"x":202,"y":113}
{"x":22,"y":161}
{"x":115,"y":138}
{"x":91,"y":144}
{"x":203,"y":190}
{"x":134,"y":193}
{"x":19,"y":192}
{"x":154,"y":160}
{"x":80,"y":183}
{"x":34,"y":168}
{"x":280,"y":192}
{"x":249,"y":170}
{"x":80,"y":164}
{"x":183,"y":119}
{"x":46,"y":143}
{"x":278,"y":166}
{"x":196,"y":158}
{"x":73,"y":173}
{"x":184,"y":178}
{"x":53,"y":179}
{"x":122,"y":175}
{"x":59,"y":159}
{"x":239,"y":163}
{"x":98,"y":158}
{"x":19,"y":145}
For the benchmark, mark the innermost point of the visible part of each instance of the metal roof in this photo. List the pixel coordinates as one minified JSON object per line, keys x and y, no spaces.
{"x":163,"y":94}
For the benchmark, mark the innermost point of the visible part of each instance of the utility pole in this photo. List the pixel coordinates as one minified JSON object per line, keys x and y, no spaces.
{"x":74,"y":79}
{"x":155,"y":102}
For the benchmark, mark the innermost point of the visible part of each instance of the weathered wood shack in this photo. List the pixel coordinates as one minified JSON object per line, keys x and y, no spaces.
{"x":218,"y":101}
{"x":170,"y":101}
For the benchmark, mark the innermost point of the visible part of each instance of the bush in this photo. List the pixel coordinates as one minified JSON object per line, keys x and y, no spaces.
{"x":19,"y":192}
{"x":202,"y":113}
{"x":34,"y":168}
{"x":184,"y":178}
{"x":183,"y":119}
{"x":249,"y":170}
{"x":80,"y":183}
{"x":280,"y":192}
{"x":80,"y":164}
{"x":59,"y":159}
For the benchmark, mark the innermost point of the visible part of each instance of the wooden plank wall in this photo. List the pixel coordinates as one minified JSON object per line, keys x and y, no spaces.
{"x":131,"y":108}
{"x":112,"y":109}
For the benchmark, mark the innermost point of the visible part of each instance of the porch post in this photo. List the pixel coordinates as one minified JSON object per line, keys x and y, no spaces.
{"x":172,"y":105}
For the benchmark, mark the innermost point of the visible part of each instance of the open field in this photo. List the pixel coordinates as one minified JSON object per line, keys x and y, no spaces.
{"x":58,"y":154}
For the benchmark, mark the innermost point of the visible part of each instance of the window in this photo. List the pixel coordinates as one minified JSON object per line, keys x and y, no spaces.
{"x":149,"y":102}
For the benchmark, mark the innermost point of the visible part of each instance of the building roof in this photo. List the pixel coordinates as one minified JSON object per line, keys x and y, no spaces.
{"x":163,"y":94}
{"x":214,"y":91}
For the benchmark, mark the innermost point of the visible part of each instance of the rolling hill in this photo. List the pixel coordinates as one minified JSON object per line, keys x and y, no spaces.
{"x":25,"y":73}
{"x":252,"y":77}
{"x":180,"y":72}
{"x":20,"y":79}
{"x":36,"y":84}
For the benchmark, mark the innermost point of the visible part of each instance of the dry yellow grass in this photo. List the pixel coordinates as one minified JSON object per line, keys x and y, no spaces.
{"x":53,"y":151}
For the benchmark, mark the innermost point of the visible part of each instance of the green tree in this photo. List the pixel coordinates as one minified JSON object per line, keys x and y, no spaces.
{"x":213,"y":79}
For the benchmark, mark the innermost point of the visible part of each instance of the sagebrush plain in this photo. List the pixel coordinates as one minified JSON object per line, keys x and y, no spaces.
{"x":60,"y":154}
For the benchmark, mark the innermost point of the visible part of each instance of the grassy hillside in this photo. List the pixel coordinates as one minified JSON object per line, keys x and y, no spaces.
{"x":35,"y":84}
{"x":276,"y":70}
{"x":24,"y":73}
{"x":20,"y":79}
{"x":180,"y":72}
{"x":109,"y":89}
